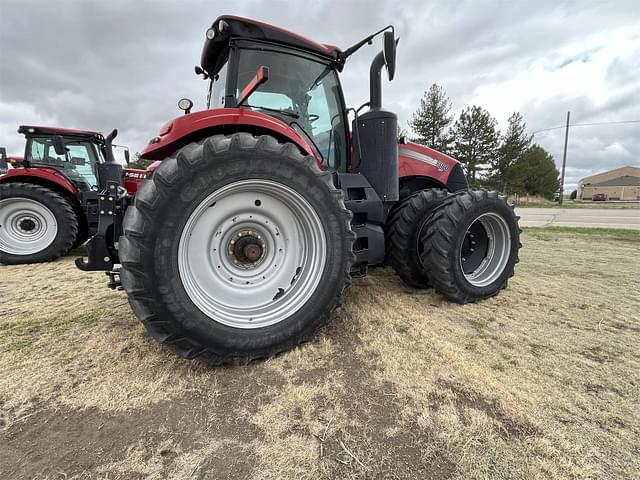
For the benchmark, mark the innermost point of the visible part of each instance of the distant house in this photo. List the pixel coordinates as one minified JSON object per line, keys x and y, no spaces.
{"x":619,"y":184}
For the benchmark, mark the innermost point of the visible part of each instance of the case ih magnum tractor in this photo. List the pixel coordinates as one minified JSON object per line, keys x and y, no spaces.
{"x":241,"y":242}
{"x":48,"y":200}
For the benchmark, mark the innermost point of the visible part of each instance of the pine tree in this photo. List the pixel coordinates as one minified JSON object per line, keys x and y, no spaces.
{"x":535,"y":173}
{"x":432,"y":118}
{"x":475,"y":141}
{"x":515,"y":143}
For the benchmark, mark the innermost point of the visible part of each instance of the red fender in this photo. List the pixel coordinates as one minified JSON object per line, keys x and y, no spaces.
{"x":193,"y":126}
{"x":48,"y":174}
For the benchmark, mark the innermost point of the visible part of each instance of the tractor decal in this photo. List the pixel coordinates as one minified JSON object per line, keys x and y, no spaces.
{"x":443,"y":167}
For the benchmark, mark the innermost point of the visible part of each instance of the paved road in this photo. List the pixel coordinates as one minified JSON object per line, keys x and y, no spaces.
{"x":580,"y":217}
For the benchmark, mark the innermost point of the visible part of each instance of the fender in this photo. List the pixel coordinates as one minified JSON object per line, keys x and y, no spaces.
{"x":194,"y":126}
{"x":415,"y":160}
{"x":23,"y":174}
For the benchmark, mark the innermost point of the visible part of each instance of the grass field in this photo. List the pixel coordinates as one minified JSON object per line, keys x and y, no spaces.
{"x":542,"y":381}
{"x":543,"y":203}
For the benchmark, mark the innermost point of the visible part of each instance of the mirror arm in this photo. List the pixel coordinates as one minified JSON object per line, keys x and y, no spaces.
{"x":354,"y":48}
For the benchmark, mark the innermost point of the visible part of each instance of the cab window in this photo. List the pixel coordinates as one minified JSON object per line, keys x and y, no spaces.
{"x":78,"y":164}
{"x":302,"y":92}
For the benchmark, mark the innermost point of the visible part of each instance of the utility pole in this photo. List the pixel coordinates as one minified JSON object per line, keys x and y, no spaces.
{"x":564,"y":160}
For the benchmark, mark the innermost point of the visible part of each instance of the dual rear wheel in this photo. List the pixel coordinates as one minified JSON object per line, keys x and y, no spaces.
{"x":465,"y":244}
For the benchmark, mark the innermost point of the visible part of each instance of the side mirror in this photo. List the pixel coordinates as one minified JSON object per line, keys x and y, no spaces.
{"x":126,"y":156}
{"x":390,"y":44}
{"x":58,"y":145}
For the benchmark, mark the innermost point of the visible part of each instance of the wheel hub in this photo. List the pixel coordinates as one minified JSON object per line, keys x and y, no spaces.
{"x":247,"y":248}
{"x":27,"y":224}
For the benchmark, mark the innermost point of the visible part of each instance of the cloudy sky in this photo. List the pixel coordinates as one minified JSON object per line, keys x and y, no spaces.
{"x":104,"y":64}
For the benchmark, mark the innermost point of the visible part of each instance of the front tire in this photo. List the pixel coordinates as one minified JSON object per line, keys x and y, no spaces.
{"x":471,"y":245}
{"x":36,"y":224}
{"x":237,"y":248}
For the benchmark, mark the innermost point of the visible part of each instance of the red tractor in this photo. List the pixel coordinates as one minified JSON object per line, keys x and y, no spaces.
{"x":48,"y":200}
{"x":265,"y":204}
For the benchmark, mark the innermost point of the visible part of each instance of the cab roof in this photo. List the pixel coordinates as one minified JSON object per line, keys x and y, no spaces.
{"x":40,"y":130}
{"x":215,"y":50}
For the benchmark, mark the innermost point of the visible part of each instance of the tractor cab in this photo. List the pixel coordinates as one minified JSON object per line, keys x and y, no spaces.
{"x":256,"y":66}
{"x":74,"y":153}
{"x":259,"y":67}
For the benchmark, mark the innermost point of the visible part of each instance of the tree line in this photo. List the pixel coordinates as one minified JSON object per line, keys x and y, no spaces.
{"x":509,"y":162}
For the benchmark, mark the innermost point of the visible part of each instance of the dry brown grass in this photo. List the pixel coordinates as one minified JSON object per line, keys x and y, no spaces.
{"x":540,"y":382}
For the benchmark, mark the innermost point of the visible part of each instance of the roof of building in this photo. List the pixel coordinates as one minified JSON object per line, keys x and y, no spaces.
{"x":623,"y":181}
{"x":634,"y":171}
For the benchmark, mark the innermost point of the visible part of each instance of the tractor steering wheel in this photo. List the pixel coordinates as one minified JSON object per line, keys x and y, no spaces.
{"x":312,"y":117}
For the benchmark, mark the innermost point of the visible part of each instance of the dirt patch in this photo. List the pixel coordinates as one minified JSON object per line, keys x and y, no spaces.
{"x":464,"y":400}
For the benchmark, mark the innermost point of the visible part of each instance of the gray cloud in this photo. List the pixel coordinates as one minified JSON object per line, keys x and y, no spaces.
{"x":99,"y":65}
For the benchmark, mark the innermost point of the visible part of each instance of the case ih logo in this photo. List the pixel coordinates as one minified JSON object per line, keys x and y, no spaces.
{"x":135,"y":175}
{"x":443,"y":167}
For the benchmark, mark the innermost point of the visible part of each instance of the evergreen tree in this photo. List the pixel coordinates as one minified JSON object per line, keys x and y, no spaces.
{"x":535,"y":173}
{"x":138,"y":162}
{"x":432,"y":118}
{"x":515,"y":143}
{"x":475,"y":141}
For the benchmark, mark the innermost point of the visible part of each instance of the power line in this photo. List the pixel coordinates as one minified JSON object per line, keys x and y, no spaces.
{"x":586,"y":125}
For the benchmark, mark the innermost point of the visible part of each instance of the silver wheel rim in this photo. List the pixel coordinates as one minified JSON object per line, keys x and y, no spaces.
{"x":496,"y":254}
{"x":26,"y":226}
{"x":283,"y":231}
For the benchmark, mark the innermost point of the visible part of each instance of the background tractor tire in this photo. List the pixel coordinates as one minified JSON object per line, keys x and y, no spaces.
{"x":36,"y":224}
{"x":404,"y":232}
{"x":237,"y":248}
{"x":470,"y":245}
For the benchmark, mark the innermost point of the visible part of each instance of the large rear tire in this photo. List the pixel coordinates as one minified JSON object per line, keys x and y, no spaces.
{"x":470,"y":245}
{"x":36,"y":224}
{"x":237,"y":248}
{"x":405,"y":226}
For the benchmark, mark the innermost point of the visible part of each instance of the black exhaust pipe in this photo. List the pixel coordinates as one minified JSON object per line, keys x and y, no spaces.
{"x":375,"y":82}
